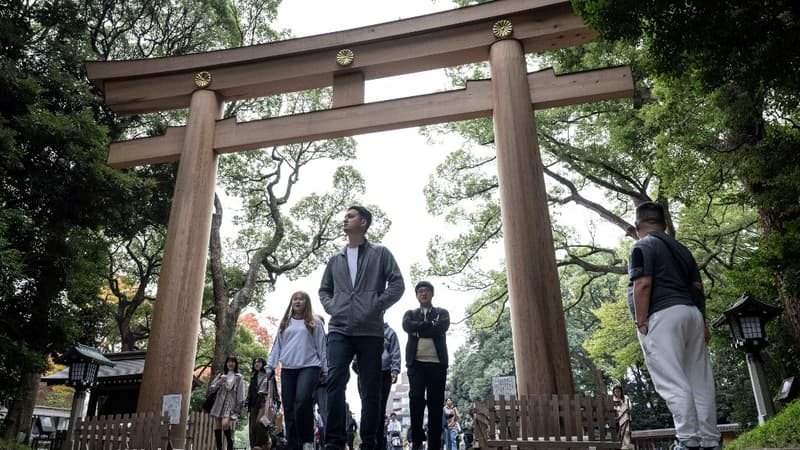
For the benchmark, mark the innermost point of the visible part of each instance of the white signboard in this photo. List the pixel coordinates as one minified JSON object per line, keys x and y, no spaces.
{"x":506,"y":386}
{"x":171,"y":406}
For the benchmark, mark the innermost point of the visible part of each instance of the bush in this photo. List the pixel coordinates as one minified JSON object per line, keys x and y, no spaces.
{"x":781,"y":431}
{"x":6,"y":444}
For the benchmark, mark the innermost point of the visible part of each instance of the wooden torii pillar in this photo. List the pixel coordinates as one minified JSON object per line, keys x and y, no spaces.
{"x":500,"y":32}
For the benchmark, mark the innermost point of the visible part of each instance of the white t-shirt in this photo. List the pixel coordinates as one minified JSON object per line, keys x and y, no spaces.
{"x":352,"y":263}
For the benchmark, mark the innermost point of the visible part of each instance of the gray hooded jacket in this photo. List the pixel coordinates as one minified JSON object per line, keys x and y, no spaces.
{"x":358,"y":310}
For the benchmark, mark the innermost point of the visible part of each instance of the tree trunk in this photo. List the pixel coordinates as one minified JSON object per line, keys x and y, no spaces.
{"x":127,"y":337}
{"x":791,"y":304}
{"x":227,"y":308}
{"x":18,"y":422}
{"x":223,"y":336}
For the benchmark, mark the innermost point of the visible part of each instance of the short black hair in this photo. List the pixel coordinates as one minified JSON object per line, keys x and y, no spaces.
{"x":364,"y":213}
{"x":650,"y":212}
{"x":423,"y":284}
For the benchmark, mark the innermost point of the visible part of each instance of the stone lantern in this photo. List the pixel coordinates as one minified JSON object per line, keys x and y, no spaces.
{"x":747,"y":319}
{"x":84,"y":362}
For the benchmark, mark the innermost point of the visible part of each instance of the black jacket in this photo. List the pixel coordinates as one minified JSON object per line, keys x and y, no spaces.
{"x":435,"y":327}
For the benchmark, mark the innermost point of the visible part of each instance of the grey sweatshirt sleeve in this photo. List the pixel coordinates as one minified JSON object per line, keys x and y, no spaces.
{"x":274,"y":353}
{"x":320,"y":343}
{"x":394,"y":353}
{"x":394,"y":279}
{"x":326,"y":287}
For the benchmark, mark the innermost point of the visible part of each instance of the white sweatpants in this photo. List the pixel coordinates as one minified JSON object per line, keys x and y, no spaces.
{"x":677,"y":357}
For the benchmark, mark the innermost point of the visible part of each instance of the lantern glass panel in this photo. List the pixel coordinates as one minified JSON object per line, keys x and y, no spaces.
{"x":77,"y":370}
{"x":751,"y":327}
{"x":736,"y":328}
{"x":91,"y":374}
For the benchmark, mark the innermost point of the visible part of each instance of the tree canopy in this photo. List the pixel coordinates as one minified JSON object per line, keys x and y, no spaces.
{"x":695,"y":140}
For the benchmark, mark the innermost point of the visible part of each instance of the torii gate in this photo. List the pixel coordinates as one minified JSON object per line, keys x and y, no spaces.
{"x":500,"y":32}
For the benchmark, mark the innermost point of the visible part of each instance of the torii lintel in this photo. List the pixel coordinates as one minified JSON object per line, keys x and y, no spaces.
{"x":438,"y":40}
{"x":546,"y":90}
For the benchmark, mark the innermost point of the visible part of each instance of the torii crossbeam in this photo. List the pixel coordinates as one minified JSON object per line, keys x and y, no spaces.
{"x":500,"y":32}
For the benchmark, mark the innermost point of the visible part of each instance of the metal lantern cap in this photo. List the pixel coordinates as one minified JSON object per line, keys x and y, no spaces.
{"x":747,"y":318}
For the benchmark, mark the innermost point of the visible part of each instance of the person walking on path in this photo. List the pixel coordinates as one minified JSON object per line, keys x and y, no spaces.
{"x":352,"y":428}
{"x":451,"y":427}
{"x":321,"y":400}
{"x":229,"y":388}
{"x":256,"y":392}
{"x":395,"y":431}
{"x":622,"y":407}
{"x":301,"y":350}
{"x":426,"y":360}
{"x":665,"y":296}
{"x":468,"y":427}
{"x":359,"y":284}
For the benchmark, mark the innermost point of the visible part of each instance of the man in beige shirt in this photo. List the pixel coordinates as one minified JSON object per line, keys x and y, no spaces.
{"x":426,"y":360}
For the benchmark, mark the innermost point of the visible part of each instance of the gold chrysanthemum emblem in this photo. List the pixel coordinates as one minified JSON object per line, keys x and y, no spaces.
{"x":203,"y":79}
{"x":345,"y":57}
{"x":502,"y":29}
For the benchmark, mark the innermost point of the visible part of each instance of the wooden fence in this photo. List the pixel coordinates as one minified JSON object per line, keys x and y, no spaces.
{"x":200,"y":433}
{"x":143,"y":431}
{"x":146,"y":431}
{"x":546,"y":421}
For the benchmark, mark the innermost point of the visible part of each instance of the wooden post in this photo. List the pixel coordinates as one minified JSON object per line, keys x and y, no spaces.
{"x":171,"y":351}
{"x":348,"y":89}
{"x":541,"y":353}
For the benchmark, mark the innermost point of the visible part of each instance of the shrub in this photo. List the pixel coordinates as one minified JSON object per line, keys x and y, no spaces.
{"x":781,"y":431}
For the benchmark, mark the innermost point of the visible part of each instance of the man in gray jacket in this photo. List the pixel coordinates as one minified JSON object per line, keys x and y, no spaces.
{"x":359,"y":284}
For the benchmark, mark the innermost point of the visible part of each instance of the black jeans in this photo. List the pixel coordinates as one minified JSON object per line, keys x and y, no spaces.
{"x":386,"y":387}
{"x":341,"y":350}
{"x":427,"y":383}
{"x":297,"y":387}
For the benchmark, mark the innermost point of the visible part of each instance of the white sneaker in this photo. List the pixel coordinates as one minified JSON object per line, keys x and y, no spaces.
{"x":308,"y":446}
{"x":677,"y":445}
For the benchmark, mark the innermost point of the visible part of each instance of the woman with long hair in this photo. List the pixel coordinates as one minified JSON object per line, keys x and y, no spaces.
{"x":623,"y":408}
{"x":450,"y":422}
{"x":300,"y":349}
{"x":259,"y":383}
{"x":229,"y":386}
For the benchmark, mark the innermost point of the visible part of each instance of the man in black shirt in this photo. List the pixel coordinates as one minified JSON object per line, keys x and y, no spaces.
{"x":426,"y":359}
{"x":665,"y":297}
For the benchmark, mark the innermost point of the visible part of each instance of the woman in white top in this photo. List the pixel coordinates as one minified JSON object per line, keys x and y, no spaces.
{"x":623,"y":408}
{"x":301,"y":351}
{"x":229,"y":387}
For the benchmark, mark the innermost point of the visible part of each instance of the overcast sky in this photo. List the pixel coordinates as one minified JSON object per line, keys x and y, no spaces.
{"x":395,"y":164}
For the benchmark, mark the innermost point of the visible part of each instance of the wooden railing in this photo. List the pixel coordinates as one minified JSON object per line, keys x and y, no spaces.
{"x":200,"y":433}
{"x":546,"y":421}
{"x":664,"y":438}
{"x":146,"y":431}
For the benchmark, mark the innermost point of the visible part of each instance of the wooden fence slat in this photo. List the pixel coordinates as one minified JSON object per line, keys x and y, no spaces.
{"x":199,"y":435}
{"x":524,"y":416}
{"x":501,"y":411}
{"x":541,"y":415}
{"x":513,"y":416}
{"x":553,"y":432}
